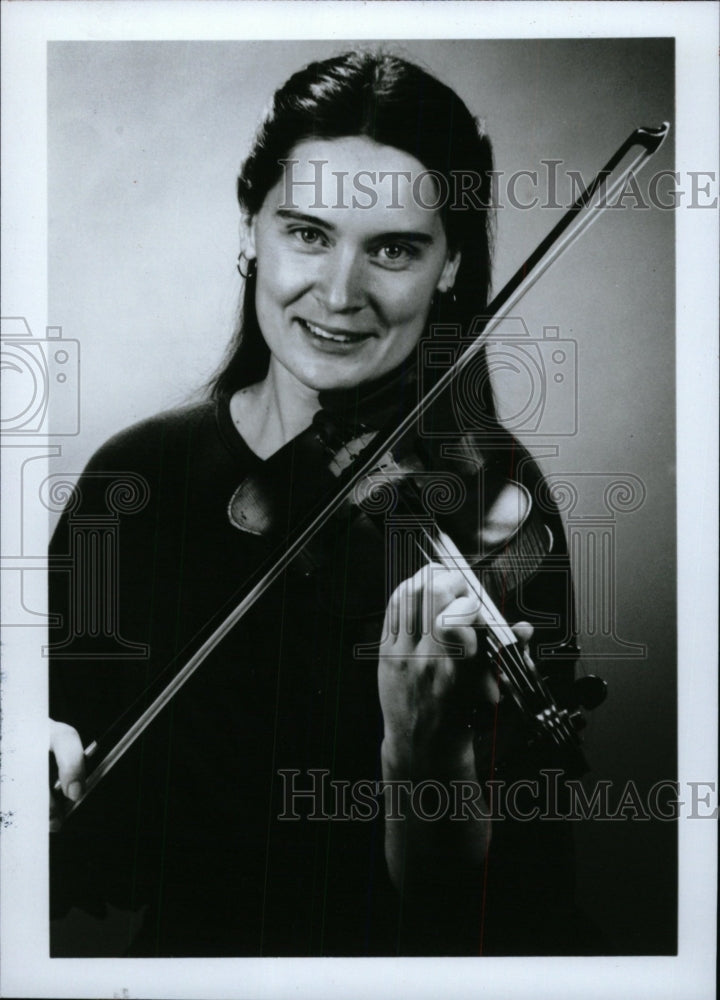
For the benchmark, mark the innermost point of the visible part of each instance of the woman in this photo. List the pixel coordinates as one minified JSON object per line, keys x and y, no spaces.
{"x":247,"y":821}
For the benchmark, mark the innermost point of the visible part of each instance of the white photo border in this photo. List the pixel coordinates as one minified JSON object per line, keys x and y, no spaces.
{"x":26,"y":968}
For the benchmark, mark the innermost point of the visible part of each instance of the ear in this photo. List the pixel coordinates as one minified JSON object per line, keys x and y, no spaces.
{"x":247,"y":237}
{"x":449,"y":272}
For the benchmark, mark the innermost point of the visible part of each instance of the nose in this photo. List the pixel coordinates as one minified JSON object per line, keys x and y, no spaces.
{"x":340,"y":287}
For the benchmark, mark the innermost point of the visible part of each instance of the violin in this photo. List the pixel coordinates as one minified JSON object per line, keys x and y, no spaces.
{"x":510,"y":540}
{"x":346,"y":470}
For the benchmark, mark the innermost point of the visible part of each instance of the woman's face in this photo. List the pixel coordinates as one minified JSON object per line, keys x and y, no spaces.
{"x":349,"y":257}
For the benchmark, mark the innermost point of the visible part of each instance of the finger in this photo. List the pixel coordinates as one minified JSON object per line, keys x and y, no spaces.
{"x":67,"y":749}
{"x":418,"y":621}
{"x":524,"y":632}
{"x":488,"y":684}
{"x":464,"y":610}
{"x":392,"y":613}
{"x":445,"y":587}
{"x":404,"y":609}
{"x":455,"y":556}
{"x":456,"y":624}
{"x":413,"y":605}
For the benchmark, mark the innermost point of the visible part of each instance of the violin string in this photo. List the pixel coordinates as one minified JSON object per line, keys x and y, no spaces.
{"x":501,"y":639}
{"x":507,"y":653}
{"x":524,"y":677}
{"x":529,"y":673}
{"x":502,"y":653}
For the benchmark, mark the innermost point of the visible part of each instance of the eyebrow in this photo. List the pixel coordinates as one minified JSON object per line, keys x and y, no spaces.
{"x":312,"y":220}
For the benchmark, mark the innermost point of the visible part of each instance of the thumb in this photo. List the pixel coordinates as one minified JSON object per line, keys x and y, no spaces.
{"x":67,"y":749}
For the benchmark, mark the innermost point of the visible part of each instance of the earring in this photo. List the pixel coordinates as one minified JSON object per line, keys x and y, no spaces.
{"x":251,"y":265}
{"x":448,"y":295}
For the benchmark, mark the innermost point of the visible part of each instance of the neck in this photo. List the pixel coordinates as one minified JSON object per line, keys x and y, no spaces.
{"x":274,"y":411}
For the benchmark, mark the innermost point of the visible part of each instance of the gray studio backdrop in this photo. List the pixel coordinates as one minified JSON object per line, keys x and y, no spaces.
{"x":145,"y":139}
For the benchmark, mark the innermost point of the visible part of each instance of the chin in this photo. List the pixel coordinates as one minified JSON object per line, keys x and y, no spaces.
{"x":333,"y":374}
{"x":329,"y":383}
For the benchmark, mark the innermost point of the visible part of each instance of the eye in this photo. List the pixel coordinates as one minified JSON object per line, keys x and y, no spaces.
{"x":309,"y":236}
{"x":396,"y":254}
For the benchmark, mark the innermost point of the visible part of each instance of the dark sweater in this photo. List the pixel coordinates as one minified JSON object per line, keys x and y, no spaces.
{"x":187,"y":824}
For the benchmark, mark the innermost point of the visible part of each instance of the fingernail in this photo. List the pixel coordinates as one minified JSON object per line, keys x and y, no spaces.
{"x":74,"y":791}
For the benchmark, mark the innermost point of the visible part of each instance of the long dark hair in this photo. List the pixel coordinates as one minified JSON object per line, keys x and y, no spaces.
{"x":395,"y":103}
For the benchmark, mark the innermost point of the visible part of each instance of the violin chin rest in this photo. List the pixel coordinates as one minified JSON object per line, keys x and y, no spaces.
{"x":506,"y":515}
{"x":249,"y":508}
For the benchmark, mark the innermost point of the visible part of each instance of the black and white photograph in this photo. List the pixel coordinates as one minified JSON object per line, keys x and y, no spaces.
{"x":359,"y":460}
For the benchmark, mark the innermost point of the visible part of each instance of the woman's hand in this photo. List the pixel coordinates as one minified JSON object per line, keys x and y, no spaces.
{"x":430,"y":679}
{"x":66,"y":746}
{"x":429,"y":676}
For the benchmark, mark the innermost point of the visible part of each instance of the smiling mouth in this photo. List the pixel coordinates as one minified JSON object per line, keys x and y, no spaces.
{"x":333,"y":336}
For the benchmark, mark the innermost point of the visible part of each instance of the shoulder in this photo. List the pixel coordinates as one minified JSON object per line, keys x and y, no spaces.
{"x":141,"y":443}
